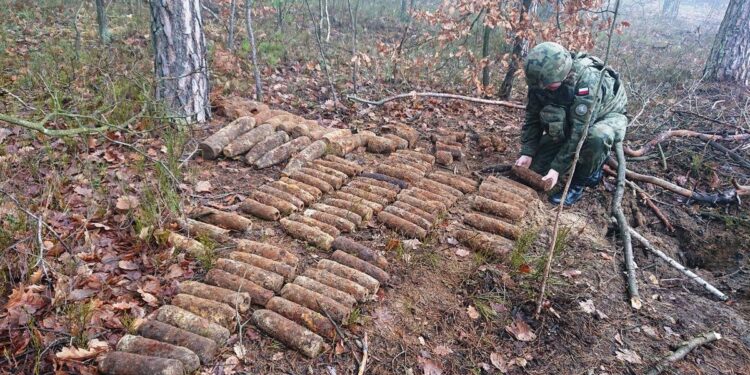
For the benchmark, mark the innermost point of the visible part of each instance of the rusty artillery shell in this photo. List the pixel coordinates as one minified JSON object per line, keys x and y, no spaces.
{"x":380,"y":145}
{"x":500,"y":209}
{"x":340,"y":223}
{"x":283,"y":206}
{"x":327,"y":228}
{"x":432,"y":208}
{"x":226,"y":220}
{"x":223,"y":279}
{"x":267,"y":251}
{"x":341,"y":160}
{"x":337,"y":295}
{"x":331,"y":171}
{"x":236,"y":300}
{"x":263,"y":147}
{"x":304,"y":232}
{"x":337,"y":134}
{"x":383,"y":192}
{"x":312,"y":190}
{"x":400,"y":173}
{"x":315,"y":301}
{"x":259,"y":210}
{"x":456,"y":151}
{"x":407,"y":164}
{"x":342,"y":195}
{"x":499,"y":194}
{"x":360,"y":265}
{"x":303,"y":316}
{"x":431,"y":218}
{"x":410,"y":217}
{"x":195,"y":228}
{"x":203,"y":347}
{"x":402,"y":226}
{"x":398,"y":142}
{"x":312,"y":152}
{"x":188,"y":245}
{"x":343,"y":168}
{"x":149,"y":347}
{"x":364,"y":212}
{"x":312,"y":180}
{"x":381,"y":177}
{"x":465,"y":185}
{"x":268,"y":280}
{"x":370,"y":283}
{"x":484,"y":243}
{"x":492,"y":225}
{"x":366,"y":195}
{"x":123,"y":363}
{"x":361,"y":251}
{"x":211,"y":147}
{"x":443,"y":157}
{"x":438,"y":188}
{"x":294,"y":190}
{"x":513,"y":186}
{"x":381,"y":184}
{"x":419,"y":155}
{"x":270,"y":190}
{"x":403,"y":131}
{"x":282,"y":153}
{"x":453,"y":135}
{"x":530,"y":177}
{"x":217,"y":312}
{"x":334,"y":180}
{"x":340,"y":212}
{"x":246,"y":141}
{"x":350,"y":287}
{"x":269,"y":265}
{"x":289,"y":333}
{"x":420,"y":193}
{"x":183,"y":319}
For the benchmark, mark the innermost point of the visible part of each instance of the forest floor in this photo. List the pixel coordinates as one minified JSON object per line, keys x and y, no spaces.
{"x":446,"y":311}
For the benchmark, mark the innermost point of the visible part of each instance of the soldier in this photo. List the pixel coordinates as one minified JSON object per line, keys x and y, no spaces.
{"x":561,"y":94}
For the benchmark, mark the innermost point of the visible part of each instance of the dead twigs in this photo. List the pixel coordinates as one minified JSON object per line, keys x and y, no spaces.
{"x":645,"y":149}
{"x":685,"y":348}
{"x":363,"y":364}
{"x":622,"y":222}
{"x":690,"y":274}
{"x":646,"y":199}
{"x":437,"y":95}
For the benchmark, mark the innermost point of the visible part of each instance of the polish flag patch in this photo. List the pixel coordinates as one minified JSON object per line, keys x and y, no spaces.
{"x":583,"y":91}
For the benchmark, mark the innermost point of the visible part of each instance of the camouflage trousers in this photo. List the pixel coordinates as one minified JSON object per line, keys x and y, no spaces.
{"x":602,"y":135}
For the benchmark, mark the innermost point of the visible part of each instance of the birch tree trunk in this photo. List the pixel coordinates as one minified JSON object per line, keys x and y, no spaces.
{"x":520,"y":49}
{"x":254,"y":51}
{"x":230,"y":36}
{"x":180,"y":59}
{"x":101,"y":19}
{"x":730,"y":55}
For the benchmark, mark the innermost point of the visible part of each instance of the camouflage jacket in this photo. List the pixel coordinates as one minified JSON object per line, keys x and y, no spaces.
{"x":573,"y":100}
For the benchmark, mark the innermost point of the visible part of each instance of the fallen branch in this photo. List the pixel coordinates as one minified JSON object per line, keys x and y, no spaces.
{"x":685,"y":348}
{"x":646,"y":198}
{"x":40,"y":126}
{"x":645,"y":149}
{"x":622,"y":222}
{"x":735,"y":156}
{"x":363,"y":364}
{"x":437,"y":95}
{"x":726,"y":197}
{"x":690,"y":274}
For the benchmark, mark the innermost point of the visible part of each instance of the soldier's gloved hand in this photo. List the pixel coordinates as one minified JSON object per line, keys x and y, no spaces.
{"x":551,"y":178}
{"x":524,"y":161}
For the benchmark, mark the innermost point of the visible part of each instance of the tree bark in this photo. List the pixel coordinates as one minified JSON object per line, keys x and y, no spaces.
{"x":180,"y":59}
{"x":230,"y":36}
{"x":101,"y":19}
{"x":254,"y":51}
{"x":520,"y":49}
{"x":730,"y":55}
{"x":485,"y":54}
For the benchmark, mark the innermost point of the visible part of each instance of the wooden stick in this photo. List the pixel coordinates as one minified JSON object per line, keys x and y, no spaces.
{"x":622,"y":222}
{"x":678,"y":266}
{"x":685,"y":348}
{"x":645,"y":149}
{"x":437,"y":95}
{"x":363,"y":363}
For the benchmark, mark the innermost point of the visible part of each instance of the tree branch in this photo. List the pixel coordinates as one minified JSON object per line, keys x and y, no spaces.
{"x":622,"y":222}
{"x":437,"y":95}
{"x":645,"y":149}
{"x":685,"y":348}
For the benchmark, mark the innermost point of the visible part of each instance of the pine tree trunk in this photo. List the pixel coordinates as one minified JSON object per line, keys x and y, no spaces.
{"x":254,"y":52}
{"x":730,"y":55}
{"x":101,"y":19}
{"x":520,"y":49}
{"x":180,"y":59}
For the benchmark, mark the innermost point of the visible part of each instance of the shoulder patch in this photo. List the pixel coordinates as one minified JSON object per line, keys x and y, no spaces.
{"x":583,"y":91}
{"x":581,"y":109}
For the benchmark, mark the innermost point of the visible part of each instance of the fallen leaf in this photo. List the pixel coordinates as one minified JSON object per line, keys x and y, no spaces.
{"x":203,"y":187}
{"x":429,"y":367}
{"x":524,"y":268}
{"x":587,"y":306}
{"x":127,"y":202}
{"x":84,"y":192}
{"x":78,"y":354}
{"x":80,"y":294}
{"x":473,"y":314}
{"x":571,"y":273}
{"x":277,"y":356}
{"x":520,"y":330}
{"x":605,"y":255}
{"x":463,"y":252}
{"x":442,"y":350}
{"x":128,"y":265}
{"x":650,"y":332}
{"x":149,"y":298}
{"x":497,"y":360}
{"x":239,"y":350}
{"x":629,"y":356}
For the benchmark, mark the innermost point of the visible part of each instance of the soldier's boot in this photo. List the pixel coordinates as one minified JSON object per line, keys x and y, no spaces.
{"x":575,"y":193}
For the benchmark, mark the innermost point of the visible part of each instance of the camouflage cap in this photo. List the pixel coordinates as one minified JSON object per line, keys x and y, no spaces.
{"x":547,"y":63}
